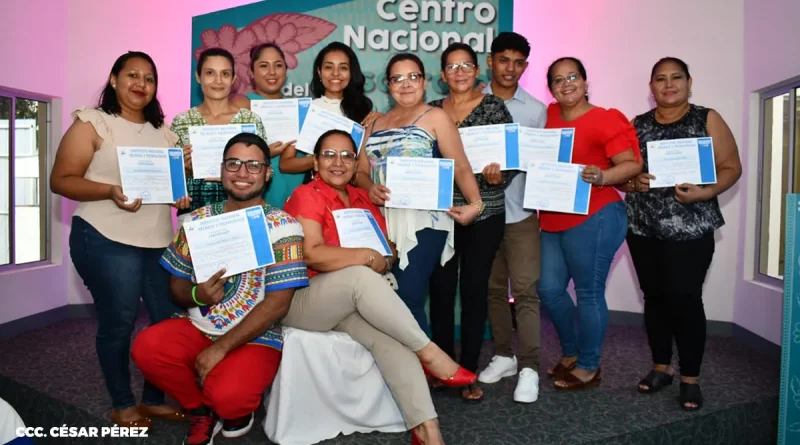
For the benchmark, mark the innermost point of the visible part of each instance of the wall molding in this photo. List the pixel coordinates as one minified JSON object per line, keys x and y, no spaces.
{"x":616,"y":318}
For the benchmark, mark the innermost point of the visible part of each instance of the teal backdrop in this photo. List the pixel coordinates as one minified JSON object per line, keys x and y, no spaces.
{"x":789,"y":409}
{"x":374,"y":29}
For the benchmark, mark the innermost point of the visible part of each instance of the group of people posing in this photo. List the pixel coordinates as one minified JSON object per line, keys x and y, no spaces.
{"x":215,"y":346}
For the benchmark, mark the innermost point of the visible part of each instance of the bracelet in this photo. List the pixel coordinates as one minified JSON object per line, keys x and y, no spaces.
{"x":479,"y":204}
{"x":194,"y":297}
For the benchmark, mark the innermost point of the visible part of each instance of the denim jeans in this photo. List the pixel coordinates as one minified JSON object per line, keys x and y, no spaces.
{"x":584,"y":254}
{"x":412,"y":282}
{"x":117,"y":275}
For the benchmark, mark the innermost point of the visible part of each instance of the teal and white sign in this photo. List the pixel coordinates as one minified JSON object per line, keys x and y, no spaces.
{"x":789,"y":410}
{"x":374,"y":29}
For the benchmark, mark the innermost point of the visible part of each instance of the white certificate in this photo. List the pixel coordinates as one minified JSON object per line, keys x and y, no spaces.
{"x":318,"y":121}
{"x":420,"y":183}
{"x":679,"y":161}
{"x":544,"y":144}
{"x":556,"y":187}
{"x":488,"y":144}
{"x":235,"y":241}
{"x":358,"y":228}
{"x":282,"y":118}
{"x":153,"y":174}
{"x":208,"y":143}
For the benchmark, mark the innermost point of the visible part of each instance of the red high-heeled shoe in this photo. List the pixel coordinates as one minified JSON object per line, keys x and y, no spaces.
{"x":415,"y":440}
{"x":462,"y":377}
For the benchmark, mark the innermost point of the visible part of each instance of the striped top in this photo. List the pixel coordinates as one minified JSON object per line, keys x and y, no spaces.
{"x":403,"y":224}
{"x":490,"y":111}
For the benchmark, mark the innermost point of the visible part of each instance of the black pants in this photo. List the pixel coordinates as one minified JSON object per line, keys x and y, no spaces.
{"x":671,"y":275}
{"x":476,"y":246}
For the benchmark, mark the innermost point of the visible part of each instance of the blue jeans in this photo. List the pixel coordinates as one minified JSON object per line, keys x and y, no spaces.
{"x":584,"y":254}
{"x":412,"y":283}
{"x":117,"y":275}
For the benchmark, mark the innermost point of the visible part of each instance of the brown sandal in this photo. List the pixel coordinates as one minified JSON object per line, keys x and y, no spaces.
{"x":561,"y":371}
{"x":141,"y":422}
{"x":574,"y":383}
{"x":177,"y":415}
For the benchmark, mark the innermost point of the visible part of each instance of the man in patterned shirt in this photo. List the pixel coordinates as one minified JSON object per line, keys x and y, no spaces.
{"x":219,"y":357}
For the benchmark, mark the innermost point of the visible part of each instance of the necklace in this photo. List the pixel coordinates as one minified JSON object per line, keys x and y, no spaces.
{"x":139,"y":131}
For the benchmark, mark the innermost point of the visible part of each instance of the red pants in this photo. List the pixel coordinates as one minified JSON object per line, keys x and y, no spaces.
{"x":166,"y":354}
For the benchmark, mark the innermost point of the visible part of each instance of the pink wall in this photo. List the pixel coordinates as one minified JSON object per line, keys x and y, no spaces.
{"x":770,"y":56}
{"x":34,"y":52}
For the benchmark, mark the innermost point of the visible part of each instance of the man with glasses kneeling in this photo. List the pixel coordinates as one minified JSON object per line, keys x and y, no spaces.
{"x":229,"y":340}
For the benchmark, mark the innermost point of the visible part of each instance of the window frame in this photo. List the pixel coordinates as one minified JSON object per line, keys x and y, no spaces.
{"x":45,"y":202}
{"x":792,"y":88}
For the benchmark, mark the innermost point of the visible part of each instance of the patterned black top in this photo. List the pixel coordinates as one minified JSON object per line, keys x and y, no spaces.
{"x":657,"y":213}
{"x":491,"y":111}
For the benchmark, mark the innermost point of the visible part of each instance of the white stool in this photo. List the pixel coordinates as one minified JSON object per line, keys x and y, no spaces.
{"x":327,"y":384}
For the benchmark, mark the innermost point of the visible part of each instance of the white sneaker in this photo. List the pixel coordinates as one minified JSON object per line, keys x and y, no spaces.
{"x":527,"y":386}
{"x":498,"y":368}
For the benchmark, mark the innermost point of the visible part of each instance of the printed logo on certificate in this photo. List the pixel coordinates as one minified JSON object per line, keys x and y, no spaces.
{"x":318,"y":121}
{"x":420,"y":183}
{"x":235,"y":241}
{"x":282,"y":118}
{"x":208,"y":143}
{"x":681,"y":161}
{"x":557,"y":187}
{"x":358,"y":228}
{"x":154,"y":175}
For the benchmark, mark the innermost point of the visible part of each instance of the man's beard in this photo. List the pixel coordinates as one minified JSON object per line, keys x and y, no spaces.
{"x":236,"y":196}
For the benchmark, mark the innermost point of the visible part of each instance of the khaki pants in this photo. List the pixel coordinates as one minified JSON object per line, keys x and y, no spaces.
{"x":517,"y":259}
{"x":359,"y":302}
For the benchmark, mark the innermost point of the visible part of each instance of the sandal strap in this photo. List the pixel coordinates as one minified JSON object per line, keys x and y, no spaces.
{"x":690,"y":393}
{"x":656,"y":380}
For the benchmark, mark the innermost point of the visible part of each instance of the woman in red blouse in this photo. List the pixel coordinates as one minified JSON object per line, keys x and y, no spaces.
{"x":389,"y":331}
{"x":582,"y":247}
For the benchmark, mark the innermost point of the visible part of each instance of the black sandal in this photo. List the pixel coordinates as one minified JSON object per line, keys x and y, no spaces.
{"x":471,"y":388}
{"x":690,"y":393}
{"x":655,"y":381}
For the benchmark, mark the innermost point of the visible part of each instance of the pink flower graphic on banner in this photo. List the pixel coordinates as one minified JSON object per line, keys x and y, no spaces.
{"x":293,"y":33}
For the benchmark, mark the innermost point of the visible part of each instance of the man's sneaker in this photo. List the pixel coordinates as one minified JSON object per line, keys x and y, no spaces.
{"x":203,"y":426}
{"x":498,"y":368}
{"x":237,"y":427}
{"x":527,"y":386}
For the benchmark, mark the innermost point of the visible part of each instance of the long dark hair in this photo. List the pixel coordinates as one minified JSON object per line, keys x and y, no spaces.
{"x":109,"y":102}
{"x":355,"y":104}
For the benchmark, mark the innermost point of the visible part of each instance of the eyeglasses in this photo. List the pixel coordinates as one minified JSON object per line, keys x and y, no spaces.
{"x":233,"y":165}
{"x":414,"y":78}
{"x":558,"y":81}
{"x":466,"y":67}
{"x":347,"y":157}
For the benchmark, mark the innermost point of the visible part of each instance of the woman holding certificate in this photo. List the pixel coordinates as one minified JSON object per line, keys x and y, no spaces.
{"x":475,"y":244}
{"x":337,"y":86}
{"x":671,"y":224}
{"x":581,"y":247}
{"x":115,"y":243}
{"x":215,"y":75}
{"x":414,"y":129}
{"x":382,"y":322}
{"x":268,"y":69}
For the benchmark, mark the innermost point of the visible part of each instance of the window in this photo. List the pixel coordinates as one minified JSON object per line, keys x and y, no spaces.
{"x":779,"y":173}
{"x":24,"y":135}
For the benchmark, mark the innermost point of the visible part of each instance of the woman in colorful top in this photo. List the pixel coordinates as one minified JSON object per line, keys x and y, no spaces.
{"x":268,"y":68}
{"x":413,"y":128}
{"x":216,"y":76}
{"x":475,"y":244}
{"x":337,"y":86}
{"x":388,"y":330}
{"x":671,"y":230}
{"x":115,"y":244}
{"x":582,"y":247}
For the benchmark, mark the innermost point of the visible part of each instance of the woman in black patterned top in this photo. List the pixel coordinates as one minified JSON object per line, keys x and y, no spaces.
{"x":476,"y":243}
{"x":671,"y":231}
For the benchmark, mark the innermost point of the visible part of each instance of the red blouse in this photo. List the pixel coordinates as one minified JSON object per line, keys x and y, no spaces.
{"x":317,"y":201}
{"x":599,"y":134}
